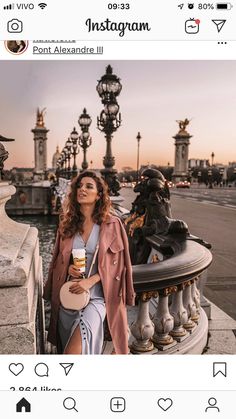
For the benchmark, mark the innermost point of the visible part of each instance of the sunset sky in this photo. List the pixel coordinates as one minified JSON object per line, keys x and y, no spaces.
{"x":155,"y":94}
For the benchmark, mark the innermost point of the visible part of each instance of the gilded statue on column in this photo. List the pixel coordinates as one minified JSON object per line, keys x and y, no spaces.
{"x":183,"y":124}
{"x":40,"y":118}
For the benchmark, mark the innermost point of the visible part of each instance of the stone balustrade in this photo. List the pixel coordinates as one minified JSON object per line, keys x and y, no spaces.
{"x":20,"y":283}
{"x":170,"y":318}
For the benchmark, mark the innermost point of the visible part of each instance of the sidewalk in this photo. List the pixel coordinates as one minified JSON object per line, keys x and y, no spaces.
{"x":222,"y":333}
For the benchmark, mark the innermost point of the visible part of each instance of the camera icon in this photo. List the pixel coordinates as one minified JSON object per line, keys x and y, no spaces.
{"x":15,"y":26}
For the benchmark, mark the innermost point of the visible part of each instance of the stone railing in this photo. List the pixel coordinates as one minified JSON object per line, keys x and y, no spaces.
{"x":21,"y":305}
{"x":169,"y":316}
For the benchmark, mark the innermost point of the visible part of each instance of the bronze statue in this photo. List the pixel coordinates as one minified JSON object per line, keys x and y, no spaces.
{"x":40,"y":118}
{"x":150,"y":214}
{"x":183,"y":124}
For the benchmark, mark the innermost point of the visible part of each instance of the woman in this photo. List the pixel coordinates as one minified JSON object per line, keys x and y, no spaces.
{"x":86,"y":221}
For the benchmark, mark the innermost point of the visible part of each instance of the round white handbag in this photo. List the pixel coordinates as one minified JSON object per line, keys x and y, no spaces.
{"x":72,"y":301}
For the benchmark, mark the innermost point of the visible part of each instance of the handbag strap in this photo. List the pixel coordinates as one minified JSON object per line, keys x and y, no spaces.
{"x":93,"y":260}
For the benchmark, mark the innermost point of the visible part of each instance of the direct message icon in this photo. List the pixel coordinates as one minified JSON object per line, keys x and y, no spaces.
{"x":219,"y":368}
{"x":66,"y":366}
{"x":165,"y":404}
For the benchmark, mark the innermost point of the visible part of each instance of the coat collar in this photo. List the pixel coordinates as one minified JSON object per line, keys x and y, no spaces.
{"x":107,"y":236}
{"x":110,"y":219}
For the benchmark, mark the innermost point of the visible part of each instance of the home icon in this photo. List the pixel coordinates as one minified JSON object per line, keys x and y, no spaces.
{"x":23,"y":406}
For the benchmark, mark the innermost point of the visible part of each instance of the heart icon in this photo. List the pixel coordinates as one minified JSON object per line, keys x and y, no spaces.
{"x":16,"y":369}
{"x":165,"y":404}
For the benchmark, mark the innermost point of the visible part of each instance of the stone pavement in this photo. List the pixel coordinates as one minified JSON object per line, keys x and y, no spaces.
{"x":222,"y":333}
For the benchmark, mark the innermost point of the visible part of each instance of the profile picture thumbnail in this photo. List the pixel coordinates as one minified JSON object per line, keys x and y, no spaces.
{"x":16,"y":47}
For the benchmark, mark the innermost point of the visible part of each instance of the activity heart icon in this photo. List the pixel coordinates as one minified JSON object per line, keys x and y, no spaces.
{"x":16,"y":369}
{"x":165,"y":404}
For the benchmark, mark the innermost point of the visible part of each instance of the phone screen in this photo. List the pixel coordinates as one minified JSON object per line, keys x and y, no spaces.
{"x":118,"y":199}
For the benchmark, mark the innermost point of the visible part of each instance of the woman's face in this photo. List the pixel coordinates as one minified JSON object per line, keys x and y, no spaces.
{"x":87,"y":192}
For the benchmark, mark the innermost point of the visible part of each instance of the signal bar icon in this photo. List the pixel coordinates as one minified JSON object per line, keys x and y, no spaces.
{"x":9,"y":7}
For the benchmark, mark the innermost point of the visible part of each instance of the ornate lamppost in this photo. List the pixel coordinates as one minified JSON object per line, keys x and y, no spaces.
{"x":68,"y":147}
{"x":75,"y":150}
{"x":222,"y":170}
{"x":210,"y":178}
{"x":190,"y":174}
{"x":61,"y":164}
{"x":199,"y":175}
{"x":212,"y":158}
{"x":234,"y":172}
{"x":108,"y":88}
{"x":85,"y":140}
{"x":58,"y":168}
{"x":64,"y":161}
{"x":138,"y":150}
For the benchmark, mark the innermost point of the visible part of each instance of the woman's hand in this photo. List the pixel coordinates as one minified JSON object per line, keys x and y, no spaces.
{"x":75,"y":272}
{"x":77,"y":287}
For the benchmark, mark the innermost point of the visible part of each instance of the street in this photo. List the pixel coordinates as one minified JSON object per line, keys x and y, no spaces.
{"x":217,"y":196}
{"x":208,"y":217}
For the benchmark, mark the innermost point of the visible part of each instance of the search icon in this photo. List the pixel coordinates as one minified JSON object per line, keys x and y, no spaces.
{"x":69,"y":404}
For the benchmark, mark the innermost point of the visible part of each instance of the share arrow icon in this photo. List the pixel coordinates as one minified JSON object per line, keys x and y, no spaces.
{"x":219,"y":23}
{"x":66,"y":367}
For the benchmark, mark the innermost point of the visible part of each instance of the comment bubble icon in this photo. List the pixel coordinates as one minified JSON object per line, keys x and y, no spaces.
{"x":41,"y":370}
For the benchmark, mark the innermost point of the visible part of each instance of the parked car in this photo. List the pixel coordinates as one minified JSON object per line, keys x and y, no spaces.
{"x":170,"y":184}
{"x":183,"y":184}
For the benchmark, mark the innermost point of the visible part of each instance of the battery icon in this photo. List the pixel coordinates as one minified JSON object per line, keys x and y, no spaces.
{"x":224,"y":6}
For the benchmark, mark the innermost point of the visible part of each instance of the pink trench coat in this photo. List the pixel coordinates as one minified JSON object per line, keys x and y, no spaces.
{"x":115,"y":270}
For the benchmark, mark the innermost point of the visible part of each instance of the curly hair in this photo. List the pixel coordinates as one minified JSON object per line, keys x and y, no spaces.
{"x":71,"y":218}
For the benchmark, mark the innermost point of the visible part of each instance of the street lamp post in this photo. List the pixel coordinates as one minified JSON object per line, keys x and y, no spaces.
{"x":212,"y":158}
{"x":210,"y":178}
{"x":108,"y":88}
{"x":138,"y":149}
{"x":190,"y":174}
{"x":75,"y":150}
{"x":69,"y":154}
{"x":234,"y":177}
{"x":85,"y":140}
{"x":58,"y":168}
{"x":64,"y":154}
{"x":62,"y":163}
{"x":67,"y":163}
{"x":199,"y":175}
{"x":222,"y":170}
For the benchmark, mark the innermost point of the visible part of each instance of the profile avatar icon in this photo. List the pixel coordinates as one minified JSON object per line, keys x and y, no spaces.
{"x":212,"y":404}
{"x":16,"y":47}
